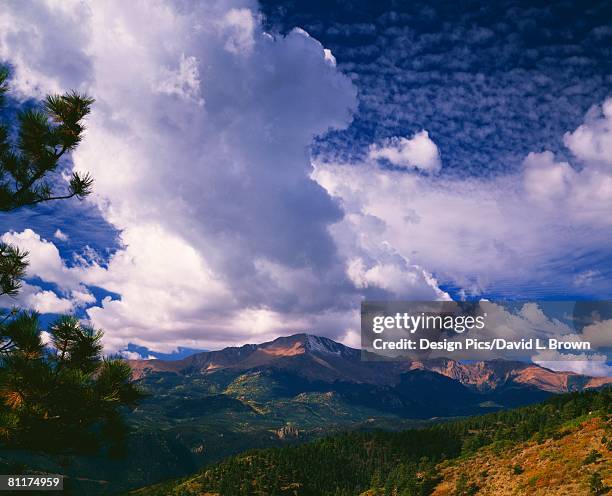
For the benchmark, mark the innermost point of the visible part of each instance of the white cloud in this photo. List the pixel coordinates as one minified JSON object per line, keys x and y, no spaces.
{"x":590,"y":365}
{"x":436,"y":224}
{"x":329,"y":56}
{"x":48,"y":59}
{"x":131,"y":355}
{"x":198,"y":144}
{"x":46,"y":264}
{"x":399,"y":278}
{"x":43,"y":301}
{"x":59,"y":234}
{"x":134,"y":355}
{"x":418,"y":152}
{"x":599,"y":334}
{"x":167,"y":291}
{"x":546,"y":179}
{"x":238,"y":26}
{"x":592,"y":141}
{"x":184,"y":82}
{"x":502,"y":234}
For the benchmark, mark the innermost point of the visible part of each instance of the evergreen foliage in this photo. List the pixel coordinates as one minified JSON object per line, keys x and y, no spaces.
{"x":30,"y":152}
{"x":64,"y":395}
{"x":596,"y":485}
{"x":384,"y":463}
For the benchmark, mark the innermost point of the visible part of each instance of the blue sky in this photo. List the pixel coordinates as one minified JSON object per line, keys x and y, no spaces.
{"x":261,"y":168}
{"x":490,"y":81}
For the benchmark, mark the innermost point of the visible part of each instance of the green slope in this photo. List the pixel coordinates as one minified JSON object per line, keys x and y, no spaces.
{"x":403,"y":463}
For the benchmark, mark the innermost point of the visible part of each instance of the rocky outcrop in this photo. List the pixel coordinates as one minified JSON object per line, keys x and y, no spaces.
{"x":288,"y":432}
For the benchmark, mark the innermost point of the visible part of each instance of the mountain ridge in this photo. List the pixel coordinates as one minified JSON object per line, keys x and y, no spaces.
{"x":321,"y":358}
{"x":555,"y":447}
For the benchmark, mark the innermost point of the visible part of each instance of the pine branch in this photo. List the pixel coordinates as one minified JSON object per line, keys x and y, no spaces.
{"x":44,"y":136}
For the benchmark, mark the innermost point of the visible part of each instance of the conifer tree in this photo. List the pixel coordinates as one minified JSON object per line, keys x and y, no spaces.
{"x":63,"y":395}
{"x":30,"y":151}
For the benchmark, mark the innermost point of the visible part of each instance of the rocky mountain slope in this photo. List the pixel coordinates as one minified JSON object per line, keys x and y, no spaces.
{"x":320,"y":358}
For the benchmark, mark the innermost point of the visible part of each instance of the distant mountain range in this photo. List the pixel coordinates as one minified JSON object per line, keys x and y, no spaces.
{"x":211,"y":405}
{"x":319,"y":359}
{"x":303,"y":387}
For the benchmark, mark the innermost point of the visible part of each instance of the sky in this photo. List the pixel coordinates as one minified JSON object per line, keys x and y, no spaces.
{"x":260,"y":168}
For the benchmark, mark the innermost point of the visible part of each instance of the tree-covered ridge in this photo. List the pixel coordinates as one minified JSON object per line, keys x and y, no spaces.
{"x":384,"y":463}
{"x":576,"y":460}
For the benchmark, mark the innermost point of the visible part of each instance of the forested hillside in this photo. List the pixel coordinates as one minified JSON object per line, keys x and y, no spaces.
{"x":405,"y":463}
{"x":576,"y":460}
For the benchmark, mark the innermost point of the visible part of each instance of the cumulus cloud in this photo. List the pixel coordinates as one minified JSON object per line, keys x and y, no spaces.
{"x":40,"y":300}
{"x":434,"y":224}
{"x":46,"y":264}
{"x":546,"y":179}
{"x":199,"y":149}
{"x":418,"y":152}
{"x":592,"y":141}
{"x":199,"y":145}
{"x":50,"y":58}
{"x":134,"y":355}
{"x":238,"y":26}
{"x":581,"y":193}
{"x":599,"y":334}
{"x":595,"y":366}
{"x":508,"y":234}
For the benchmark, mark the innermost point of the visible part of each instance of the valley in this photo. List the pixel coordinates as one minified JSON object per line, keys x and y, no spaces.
{"x":560,"y":446}
{"x":293,"y":390}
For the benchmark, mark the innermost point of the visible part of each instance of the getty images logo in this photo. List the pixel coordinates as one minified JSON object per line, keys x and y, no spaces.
{"x":427,"y":321}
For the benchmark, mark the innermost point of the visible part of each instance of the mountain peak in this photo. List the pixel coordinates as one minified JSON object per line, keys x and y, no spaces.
{"x":324,"y":345}
{"x":304,"y":343}
{"x":321,"y":358}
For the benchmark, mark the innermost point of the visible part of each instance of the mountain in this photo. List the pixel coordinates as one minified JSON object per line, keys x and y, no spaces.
{"x":293,"y":390}
{"x":561,"y":446}
{"x":488,"y":376}
{"x":301,"y":387}
{"x":314,"y":357}
{"x":321,"y":359}
{"x":241,"y":397}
